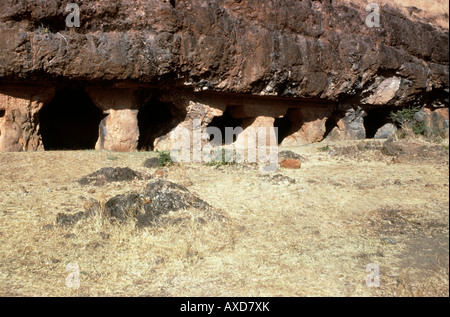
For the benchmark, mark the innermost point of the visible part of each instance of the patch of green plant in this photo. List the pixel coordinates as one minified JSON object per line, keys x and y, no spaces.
{"x":164,"y":158}
{"x":445,"y":147}
{"x":419,"y":128}
{"x":406,"y":119}
{"x":43,"y":29}
{"x":404,"y":115}
{"x":225,"y":157}
{"x":112,"y":157}
{"x":325,"y":148}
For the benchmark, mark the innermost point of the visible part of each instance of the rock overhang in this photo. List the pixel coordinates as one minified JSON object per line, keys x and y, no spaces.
{"x":309,"y":54}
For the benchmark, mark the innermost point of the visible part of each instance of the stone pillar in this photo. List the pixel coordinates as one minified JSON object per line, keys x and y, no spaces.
{"x":199,"y":109}
{"x":350,"y":127}
{"x":307,"y":125}
{"x":256,"y":116}
{"x":19,"y":117}
{"x":254,"y":130}
{"x":119,"y":130}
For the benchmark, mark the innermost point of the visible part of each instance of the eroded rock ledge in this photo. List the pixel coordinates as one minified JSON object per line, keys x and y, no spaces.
{"x":136,"y":70}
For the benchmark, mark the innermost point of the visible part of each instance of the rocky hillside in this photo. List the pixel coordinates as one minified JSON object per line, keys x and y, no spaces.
{"x":181,"y":54}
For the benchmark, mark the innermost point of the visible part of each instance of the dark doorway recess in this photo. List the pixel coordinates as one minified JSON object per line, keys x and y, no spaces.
{"x":155,"y":119}
{"x":226,"y":120}
{"x":284,"y":126}
{"x":70,"y":121}
{"x":375,"y":119}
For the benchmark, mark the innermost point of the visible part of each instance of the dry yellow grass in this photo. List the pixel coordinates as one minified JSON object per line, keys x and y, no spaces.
{"x":435,"y":12}
{"x":311,"y":238}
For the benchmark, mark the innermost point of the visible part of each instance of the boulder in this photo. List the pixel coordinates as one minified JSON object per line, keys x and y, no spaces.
{"x":152,"y":162}
{"x":158,"y":198}
{"x":290,"y":163}
{"x":386,"y":131}
{"x":308,"y":124}
{"x":350,"y":127}
{"x":437,"y":121}
{"x":110,"y":174}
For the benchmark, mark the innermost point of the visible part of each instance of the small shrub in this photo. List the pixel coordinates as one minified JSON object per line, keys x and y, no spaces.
{"x":404,"y":115}
{"x":325,"y":148}
{"x":226,"y":157}
{"x":44,"y":29}
{"x":406,"y":119}
{"x":419,"y":128}
{"x":164,"y":159}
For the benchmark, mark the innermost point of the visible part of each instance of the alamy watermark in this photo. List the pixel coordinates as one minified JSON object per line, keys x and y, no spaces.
{"x":73,"y":278}
{"x":373,"y":18}
{"x":373,"y":278}
{"x":73,"y":19}
{"x":254,"y":145}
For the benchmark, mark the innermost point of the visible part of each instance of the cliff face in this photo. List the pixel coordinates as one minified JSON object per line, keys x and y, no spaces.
{"x":315,"y":50}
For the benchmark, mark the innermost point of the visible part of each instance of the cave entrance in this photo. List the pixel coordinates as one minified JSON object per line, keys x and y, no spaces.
{"x":226,"y":120}
{"x":284,"y":125}
{"x":155,"y":119}
{"x":70,"y":121}
{"x":375,"y":119}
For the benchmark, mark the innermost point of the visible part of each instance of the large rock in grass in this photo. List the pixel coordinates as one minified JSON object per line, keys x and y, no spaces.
{"x":158,"y":198}
{"x":110,"y":174}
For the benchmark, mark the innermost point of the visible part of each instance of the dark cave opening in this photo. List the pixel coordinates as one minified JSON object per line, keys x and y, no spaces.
{"x":332,"y":121}
{"x":155,"y":119}
{"x":284,"y":126}
{"x":2,"y":113}
{"x":226,"y":120}
{"x":70,"y":121}
{"x":375,"y":119}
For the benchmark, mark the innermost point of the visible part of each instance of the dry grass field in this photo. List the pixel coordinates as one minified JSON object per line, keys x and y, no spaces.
{"x":313,"y":237}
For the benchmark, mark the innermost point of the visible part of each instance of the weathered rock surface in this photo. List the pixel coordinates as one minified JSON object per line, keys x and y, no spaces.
{"x":159,"y":198}
{"x":19,"y":121}
{"x":110,"y":174}
{"x":350,"y":127}
{"x":290,"y":163}
{"x":152,"y":162}
{"x":291,"y":155}
{"x":385,"y":131}
{"x":437,"y":121}
{"x":414,"y":151}
{"x":301,"y":48}
{"x":119,"y":131}
{"x":308,"y":124}
{"x":260,"y":60}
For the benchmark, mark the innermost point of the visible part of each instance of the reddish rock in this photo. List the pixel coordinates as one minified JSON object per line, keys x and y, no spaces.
{"x":19,"y":122}
{"x":160,"y":174}
{"x":308,"y":124}
{"x":119,"y":131}
{"x":290,"y":163}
